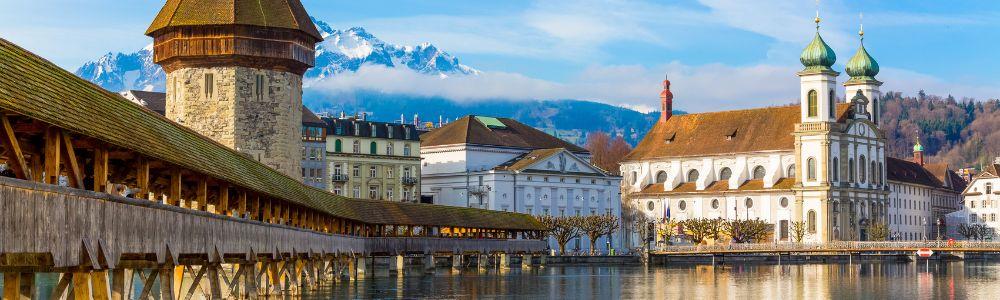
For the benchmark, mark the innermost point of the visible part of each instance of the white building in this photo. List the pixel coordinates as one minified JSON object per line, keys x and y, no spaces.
{"x":501,"y":164}
{"x":982,"y":195}
{"x":820,"y":162}
{"x":921,"y":195}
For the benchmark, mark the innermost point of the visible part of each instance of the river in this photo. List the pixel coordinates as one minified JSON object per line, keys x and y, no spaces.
{"x":953,"y":280}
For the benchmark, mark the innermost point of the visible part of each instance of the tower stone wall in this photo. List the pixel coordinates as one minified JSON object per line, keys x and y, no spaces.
{"x":254,"y":111}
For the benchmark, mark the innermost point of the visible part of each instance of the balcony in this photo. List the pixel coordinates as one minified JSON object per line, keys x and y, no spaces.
{"x":409,"y":180}
{"x":479,"y":190}
{"x":339,"y":177}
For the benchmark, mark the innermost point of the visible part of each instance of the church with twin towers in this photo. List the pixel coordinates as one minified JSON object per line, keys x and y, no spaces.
{"x":822,"y":162}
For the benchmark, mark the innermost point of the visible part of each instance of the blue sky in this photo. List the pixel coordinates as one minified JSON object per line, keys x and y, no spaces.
{"x":720,"y":54}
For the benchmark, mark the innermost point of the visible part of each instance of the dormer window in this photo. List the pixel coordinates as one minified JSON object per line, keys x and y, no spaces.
{"x":374,"y":130}
{"x":731,"y":133}
{"x":670,"y":137}
{"x":388,"y":131}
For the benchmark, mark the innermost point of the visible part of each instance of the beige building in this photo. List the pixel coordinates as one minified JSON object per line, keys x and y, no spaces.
{"x":373,"y":160}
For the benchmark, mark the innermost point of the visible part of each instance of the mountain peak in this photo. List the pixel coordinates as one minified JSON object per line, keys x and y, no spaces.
{"x":341,"y":51}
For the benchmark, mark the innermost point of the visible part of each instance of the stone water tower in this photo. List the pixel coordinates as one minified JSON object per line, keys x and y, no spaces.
{"x":234,"y":73}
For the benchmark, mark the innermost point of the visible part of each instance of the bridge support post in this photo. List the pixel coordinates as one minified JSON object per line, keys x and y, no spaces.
{"x":18,"y":286}
{"x":429,"y":263}
{"x":456,"y":262}
{"x":168,"y":274}
{"x":359,"y":264}
{"x":118,"y":284}
{"x":250,"y":279}
{"x":503,"y":260}
{"x":526,"y":261}
{"x":396,"y":264}
{"x":215,"y":287}
{"x":482,"y":262}
{"x":541,"y":260}
{"x":81,"y":286}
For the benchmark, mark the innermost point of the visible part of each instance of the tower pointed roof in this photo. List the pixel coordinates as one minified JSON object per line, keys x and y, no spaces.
{"x":862,"y":67}
{"x":287,"y":14}
{"x":818,"y":56}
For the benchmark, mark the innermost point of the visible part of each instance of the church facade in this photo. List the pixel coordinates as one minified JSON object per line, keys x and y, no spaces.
{"x":821,"y":162}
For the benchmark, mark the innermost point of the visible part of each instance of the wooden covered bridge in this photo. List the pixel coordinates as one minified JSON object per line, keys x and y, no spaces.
{"x":107,"y":193}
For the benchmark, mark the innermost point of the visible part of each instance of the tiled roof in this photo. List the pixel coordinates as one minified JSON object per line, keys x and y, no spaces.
{"x":288,"y":14}
{"x":154,"y":101}
{"x":468,"y":130}
{"x":345,"y":127}
{"x":761,"y":129}
{"x":35,"y":88}
{"x":910,"y":172}
{"x":525,"y":160}
{"x":311,"y":119}
{"x":946,"y":176}
{"x":718,"y":187}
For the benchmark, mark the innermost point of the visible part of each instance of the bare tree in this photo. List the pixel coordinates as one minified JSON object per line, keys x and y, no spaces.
{"x":799,"y":231}
{"x":641,"y":223}
{"x":977,"y":232}
{"x":596,"y":226}
{"x":607,"y":152}
{"x":746,"y":231}
{"x":561,"y":229}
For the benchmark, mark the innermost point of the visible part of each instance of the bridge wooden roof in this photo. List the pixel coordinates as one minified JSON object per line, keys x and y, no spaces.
{"x":36,"y":88}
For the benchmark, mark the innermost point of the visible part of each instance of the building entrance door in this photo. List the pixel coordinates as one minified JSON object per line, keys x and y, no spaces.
{"x":783,"y":230}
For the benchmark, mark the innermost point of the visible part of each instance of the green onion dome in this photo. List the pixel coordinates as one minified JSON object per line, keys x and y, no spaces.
{"x":918,"y":147}
{"x":818,"y":55}
{"x":862,"y":66}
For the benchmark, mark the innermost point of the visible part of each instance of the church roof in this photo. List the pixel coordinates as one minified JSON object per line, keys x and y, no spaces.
{"x":524,"y":161}
{"x":288,"y":14}
{"x":718,"y":187}
{"x":502,"y":132}
{"x":724,"y":132}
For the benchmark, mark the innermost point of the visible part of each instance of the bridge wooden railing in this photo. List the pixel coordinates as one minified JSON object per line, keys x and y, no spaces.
{"x":842,"y":246}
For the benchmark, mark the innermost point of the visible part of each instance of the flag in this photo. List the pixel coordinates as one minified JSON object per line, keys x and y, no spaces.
{"x":666,"y":211}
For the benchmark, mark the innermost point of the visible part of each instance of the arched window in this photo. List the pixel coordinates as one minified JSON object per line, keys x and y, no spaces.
{"x":811,"y":221}
{"x":338,"y":146}
{"x":725,"y":174}
{"x":874,"y":172}
{"x":759,"y":172}
{"x":661,"y":177}
{"x":748,"y":202}
{"x":373,"y":148}
{"x":357,"y":146}
{"x":850,"y":170}
{"x":389,"y":149}
{"x":875,"y":109}
{"x":812,"y":103}
{"x":811,"y":168}
{"x":835,"y":170}
{"x":861,"y":169}
{"x":715,"y":203}
{"x":692,"y":175}
{"x":791,"y":171}
{"x":833,"y":104}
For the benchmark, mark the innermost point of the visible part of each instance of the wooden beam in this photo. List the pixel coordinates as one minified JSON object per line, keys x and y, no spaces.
{"x":118,"y":284}
{"x":201,"y":196}
{"x":75,"y":172}
{"x":223,"y":207}
{"x":101,"y":169}
{"x":241,"y":208}
{"x":100,"y":284}
{"x":81,"y":285}
{"x":11,"y":283}
{"x":142,"y":178}
{"x":267,"y":210}
{"x":174,"y":196}
{"x":19,"y":165}
{"x":52,"y":151}
{"x":62,"y":286}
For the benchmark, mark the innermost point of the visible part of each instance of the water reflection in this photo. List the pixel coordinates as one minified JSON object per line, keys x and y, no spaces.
{"x":956,"y":280}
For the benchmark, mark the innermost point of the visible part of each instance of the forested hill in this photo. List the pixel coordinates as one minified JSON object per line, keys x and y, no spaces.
{"x":962,"y":133}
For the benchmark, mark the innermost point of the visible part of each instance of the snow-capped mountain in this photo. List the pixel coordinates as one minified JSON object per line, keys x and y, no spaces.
{"x":348,"y":50}
{"x":120,"y":71}
{"x":341,"y":51}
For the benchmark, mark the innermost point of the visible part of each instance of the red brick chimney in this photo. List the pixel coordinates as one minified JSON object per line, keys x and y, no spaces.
{"x":666,"y":101}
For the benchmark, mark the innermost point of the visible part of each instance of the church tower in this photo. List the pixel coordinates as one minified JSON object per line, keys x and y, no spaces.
{"x":863,"y":68}
{"x":818,"y":81}
{"x":666,"y":102}
{"x":234,"y":73}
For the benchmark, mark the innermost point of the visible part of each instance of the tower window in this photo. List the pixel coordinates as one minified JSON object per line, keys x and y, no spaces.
{"x":693,"y":176}
{"x":811,"y":221}
{"x":209,"y":85}
{"x":811,"y":168}
{"x":259,"y":87}
{"x":833,"y":105}
{"x":835,"y":174}
{"x":812,"y":103}
{"x":725,"y":174}
{"x":661,"y":177}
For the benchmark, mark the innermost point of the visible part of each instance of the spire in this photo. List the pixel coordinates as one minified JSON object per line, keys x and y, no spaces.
{"x":862,"y":67}
{"x":666,"y":100}
{"x":818,"y":56}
